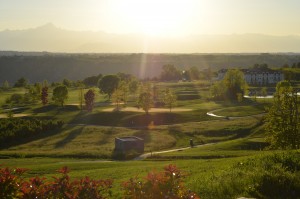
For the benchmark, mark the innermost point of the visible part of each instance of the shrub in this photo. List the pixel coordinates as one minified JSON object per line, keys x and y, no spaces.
{"x":12,"y":185}
{"x":270,"y":176}
{"x":16,"y":129}
{"x":167,"y":184}
{"x":159,"y":185}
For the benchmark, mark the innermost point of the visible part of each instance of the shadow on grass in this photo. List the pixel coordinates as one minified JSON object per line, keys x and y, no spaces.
{"x":145,"y":135}
{"x":233,"y":132}
{"x":251,"y":145}
{"x":107,"y":134}
{"x":52,"y":107}
{"x":71,"y":136}
{"x":22,"y":140}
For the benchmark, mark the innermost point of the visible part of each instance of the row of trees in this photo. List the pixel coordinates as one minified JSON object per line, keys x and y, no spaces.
{"x":171,"y":73}
{"x":118,"y":89}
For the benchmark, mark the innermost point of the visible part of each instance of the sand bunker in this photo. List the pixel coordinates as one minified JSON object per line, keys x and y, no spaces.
{"x":15,"y":115}
{"x":152,"y":110}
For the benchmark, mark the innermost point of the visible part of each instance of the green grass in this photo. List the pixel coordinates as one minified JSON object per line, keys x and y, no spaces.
{"x":98,"y":141}
{"x":239,"y":111}
{"x":121,"y":171}
{"x":91,"y":135}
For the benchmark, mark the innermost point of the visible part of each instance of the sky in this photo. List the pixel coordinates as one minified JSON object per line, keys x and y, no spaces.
{"x":156,"y":17}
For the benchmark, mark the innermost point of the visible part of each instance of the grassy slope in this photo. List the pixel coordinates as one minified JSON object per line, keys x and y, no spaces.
{"x":198,"y":170}
{"x":98,"y":141}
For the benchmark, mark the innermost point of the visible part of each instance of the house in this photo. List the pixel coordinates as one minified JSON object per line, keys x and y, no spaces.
{"x":264,"y":76}
{"x":130,"y":143}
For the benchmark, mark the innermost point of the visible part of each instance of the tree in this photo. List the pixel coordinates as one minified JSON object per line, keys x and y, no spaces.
{"x":108,"y":84}
{"x":133,"y":85}
{"x":80,"y":97}
{"x":44,"y":95}
{"x":22,"y":82}
{"x":218,"y":90}
{"x":235,"y":83}
{"x":264,"y":92}
{"x":169,"y":73}
{"x":5,"y":85}
{"x":15,"y":98}
{"x":92,"y":80}
{"x":67,"y":82}
{"x":117,"y":97}
{"x":194,"y":73}
{"x":145,"y":101}
{"x":169,"y":99}
{"x":89,"y":98}
{"x":60,"y":94}
{"x":282,"y":121}
{"x":45,"y":83}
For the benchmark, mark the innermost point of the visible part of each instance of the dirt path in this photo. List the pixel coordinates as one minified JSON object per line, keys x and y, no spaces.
{"x":211,"y":113}
{"x":146,"y":155}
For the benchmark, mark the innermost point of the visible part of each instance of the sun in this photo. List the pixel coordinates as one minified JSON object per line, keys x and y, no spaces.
{"x":155,"y":17}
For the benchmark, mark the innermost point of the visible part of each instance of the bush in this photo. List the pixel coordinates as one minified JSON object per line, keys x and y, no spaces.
{"x":12,"y":185}
{"x":159,"y":185}
{"x":167,"y":184}
{"x":17,"y":129}
{"x":270,"y":176}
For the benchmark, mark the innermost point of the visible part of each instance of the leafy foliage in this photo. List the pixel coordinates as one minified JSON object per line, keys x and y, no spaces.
{"x":170,"y":73}
{"x":159,"y":185}
{"x":22,"y":82}
{"x":282,"y":121}
{"x":108,"y":83}
{"x":230,"y":87}
{"x":271,"y":176}
{"x":44,"y":95}
{"x":12,"y":185}
{"x":15,"y":129}
{"x":89,"y":98}
{"x":5,"y":85}
{"x":169,"y":99}
{"x":92,"y":80}
{"x":145,"y":101}
{"x":15,"y":98}
{"x":60,"y":94}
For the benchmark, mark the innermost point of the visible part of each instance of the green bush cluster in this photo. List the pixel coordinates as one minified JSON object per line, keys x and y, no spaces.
{"x":270,"y":176}
{"x":17,"y":129}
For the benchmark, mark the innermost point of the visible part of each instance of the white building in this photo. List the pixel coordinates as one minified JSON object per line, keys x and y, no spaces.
{"x":257,"y":76}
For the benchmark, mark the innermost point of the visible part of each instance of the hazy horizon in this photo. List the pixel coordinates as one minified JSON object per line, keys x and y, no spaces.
{"x":156,"y":17}
{"x":168,"y":26}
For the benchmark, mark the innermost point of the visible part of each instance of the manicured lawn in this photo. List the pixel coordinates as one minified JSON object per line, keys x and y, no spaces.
{"x":197,"y":170}
{"x":98,"y":141}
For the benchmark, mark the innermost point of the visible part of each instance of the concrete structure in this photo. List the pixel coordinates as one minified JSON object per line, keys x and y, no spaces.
{"x":125,"y":144}
{"x":257,"y":76}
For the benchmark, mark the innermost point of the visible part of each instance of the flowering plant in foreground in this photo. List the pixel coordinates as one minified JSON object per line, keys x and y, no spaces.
{"x":12,"y":185}
{"x":159,"y":185}
{"x":166,"y":184}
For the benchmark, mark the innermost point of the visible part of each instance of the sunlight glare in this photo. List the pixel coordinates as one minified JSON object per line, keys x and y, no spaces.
{"x":156,"y":17}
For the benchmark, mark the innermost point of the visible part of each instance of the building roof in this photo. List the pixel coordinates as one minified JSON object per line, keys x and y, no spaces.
{"x":129,"y":139}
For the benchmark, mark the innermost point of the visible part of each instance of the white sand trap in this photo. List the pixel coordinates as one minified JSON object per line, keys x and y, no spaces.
{"x":75,"y":104}
{"x":152,"y":110}
{"x":15,"y":115}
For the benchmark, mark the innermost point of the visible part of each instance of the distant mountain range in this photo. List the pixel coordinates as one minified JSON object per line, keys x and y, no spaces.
{"x":52,"y":39}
